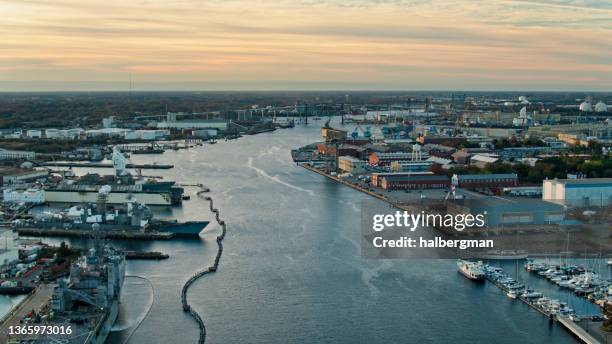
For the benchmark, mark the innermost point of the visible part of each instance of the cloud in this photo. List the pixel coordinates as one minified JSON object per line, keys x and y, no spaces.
{"x":563,"y":43}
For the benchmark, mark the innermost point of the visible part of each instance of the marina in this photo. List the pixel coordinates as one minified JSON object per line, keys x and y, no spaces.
{"x":554,"y":310}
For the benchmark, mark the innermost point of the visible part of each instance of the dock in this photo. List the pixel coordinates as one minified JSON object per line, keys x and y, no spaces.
{"x":356,"y":187}
{"x":577,"y":331}
{"x":523,"y":299}
{"x":107,"y":165}
{"x":393,"y":203}
{"x":34,"y":301}
{"x":131,"y":255}
{"x":128,"y":235}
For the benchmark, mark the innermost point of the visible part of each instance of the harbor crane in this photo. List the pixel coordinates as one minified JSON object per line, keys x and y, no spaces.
{"x":366,"y":133}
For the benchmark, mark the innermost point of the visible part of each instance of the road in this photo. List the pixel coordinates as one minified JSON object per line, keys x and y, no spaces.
{"x":35,"y":301}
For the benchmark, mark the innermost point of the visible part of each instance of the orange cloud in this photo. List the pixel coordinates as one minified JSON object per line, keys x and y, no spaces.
{"x":403,"y":44}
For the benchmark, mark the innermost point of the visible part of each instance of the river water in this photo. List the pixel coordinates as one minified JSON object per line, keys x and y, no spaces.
{"x":291,"y":270}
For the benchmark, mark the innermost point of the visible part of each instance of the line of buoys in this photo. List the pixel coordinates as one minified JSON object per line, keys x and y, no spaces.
{"x":203,"y":189}
{"x":197,"y":275}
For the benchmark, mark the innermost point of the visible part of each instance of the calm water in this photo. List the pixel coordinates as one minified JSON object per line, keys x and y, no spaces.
{"x":291,"y":270}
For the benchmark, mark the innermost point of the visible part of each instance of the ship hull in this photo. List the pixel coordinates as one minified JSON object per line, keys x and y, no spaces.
{"x":470,"y":276}
{"x":100,"y":336}
{"x":189,"y":228}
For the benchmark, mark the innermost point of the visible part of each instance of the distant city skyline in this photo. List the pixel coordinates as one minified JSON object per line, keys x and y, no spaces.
{"x":70,"y":45}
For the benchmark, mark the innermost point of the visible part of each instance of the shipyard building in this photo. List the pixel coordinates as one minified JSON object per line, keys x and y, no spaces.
{"x":578,"y":192}
{"x":509,"y":211}
{"x":409,"y":181}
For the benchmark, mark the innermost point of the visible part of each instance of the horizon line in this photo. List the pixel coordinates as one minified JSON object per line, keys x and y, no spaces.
{"x":301,"y":90}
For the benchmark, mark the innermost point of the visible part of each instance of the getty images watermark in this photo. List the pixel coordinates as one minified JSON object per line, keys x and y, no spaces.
{"x":388,"y":232}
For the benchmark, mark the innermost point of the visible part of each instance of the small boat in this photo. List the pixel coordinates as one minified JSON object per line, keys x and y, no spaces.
{"x":512,"y":294}
{"x":471,"y":270}
{"x":530,"y":294}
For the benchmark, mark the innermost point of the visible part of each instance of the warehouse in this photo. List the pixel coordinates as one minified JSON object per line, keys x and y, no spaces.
{"x":509,"y":211}
{"x":476,"y":181}
{"x":33,"y":196}
{"x":13,"y":175}
{"x":6,"y":154}
{"x":409,"y":181}
{"x":578,"y":192}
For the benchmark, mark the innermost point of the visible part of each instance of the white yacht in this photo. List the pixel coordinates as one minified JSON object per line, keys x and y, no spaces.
{"x":471,"y":270}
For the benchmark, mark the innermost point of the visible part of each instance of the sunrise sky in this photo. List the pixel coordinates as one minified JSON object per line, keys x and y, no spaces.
{"x":305,"y":45}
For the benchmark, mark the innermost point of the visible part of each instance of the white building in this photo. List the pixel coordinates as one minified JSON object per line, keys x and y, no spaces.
{"x":108,"y":122}
{"x":9,"y":252}
{"x":481,"y":160}
{"x":64,"y":134}
{"x":109,"y":132}
{"x":6,"y":154}
{"x":384,"y":114}
{"x":578,"y":192}
{"x":193,"y":124}
{"x":34,"y":134}
{"x":34,"y":196}
{"x":146,"y":134}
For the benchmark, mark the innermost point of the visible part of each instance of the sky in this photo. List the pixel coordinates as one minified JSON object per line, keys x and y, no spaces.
{"x":518,"y":45}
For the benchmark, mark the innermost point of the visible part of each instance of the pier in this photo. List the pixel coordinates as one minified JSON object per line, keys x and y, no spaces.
{"x":151,"y":255}
{"x":34,"y":301}
{"x":107,"y":165}
{"x":186,"y":307}
{"x":577,"y":331}
{"x":356,"y":187}
{"x":128,"y":235}
{"x":523,"y":299}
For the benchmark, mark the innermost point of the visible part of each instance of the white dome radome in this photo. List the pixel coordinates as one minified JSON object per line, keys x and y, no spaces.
{"x":586,"y":107}
{"x":601,"y":107}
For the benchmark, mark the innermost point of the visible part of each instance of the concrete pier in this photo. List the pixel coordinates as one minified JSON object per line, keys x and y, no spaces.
{"x":128,"y":235}
{"x":106,"y":165}
{"x":34,"y":301}
{"x":577,"y":331}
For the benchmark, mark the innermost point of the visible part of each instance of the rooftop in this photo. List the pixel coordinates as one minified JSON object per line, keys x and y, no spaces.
{"x":582,"y":181}
{"x":487,"y":176}
{"x":15,"y":171}
{"x":509,"y":204}
{"x":484,"y":158}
